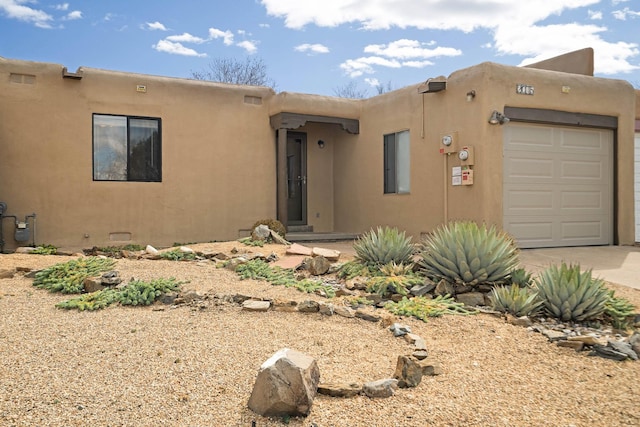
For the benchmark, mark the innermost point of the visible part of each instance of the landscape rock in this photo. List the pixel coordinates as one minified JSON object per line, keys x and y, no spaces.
{"x":399,"y":329}
{"x":369,"y":317}
{"x":278,"y":238}
{"x":308,"y":306}
{"x":471,"y":299}
{"x":429,"y":369}
{"x":420,"y":354}
{"x":576,"y":345}
{"x":587,"y":340}
{"x":444,"y":288}
{"x":330,"y":254}
{"x":634,"y":342}
{"x":110,"y":278}
{"x":326,"y":309}
{"x":380,"y":388}
{"x":261,"y":232}
{"x":298,"y":249}
{"x":339,"y":389}
{"x":286,"y":306}
{"x":7,"y":274}
{"x":608,"y":353}
{"x":624,"y":348}
{"x":422,"y":290}
{"x":318,"y":265}
{"x":25,"y":249}
{"x":412,"y":338}
{"x":286,"y":385}
{"x":151,"y":250}
{"x":292,"y":262}
{"x":233,"y":263}
{"x":519,"y":321}
{"x":92,"y":284}
{"x":253,"y":305}
{"x":408,"y":372}
{"x":344,"y":311}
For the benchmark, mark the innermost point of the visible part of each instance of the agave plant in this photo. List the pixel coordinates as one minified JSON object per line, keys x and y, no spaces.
{"x":464,"y":252}
{"x":515,"y":300}
{"x":383,"y":247}
{"x":570,"y":294}
{"x":520,"y":277}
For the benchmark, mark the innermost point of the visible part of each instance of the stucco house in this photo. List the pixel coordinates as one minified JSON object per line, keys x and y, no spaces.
{"x":99,"y":158}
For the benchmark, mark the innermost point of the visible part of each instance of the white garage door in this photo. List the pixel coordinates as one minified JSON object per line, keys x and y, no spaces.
{"x":637,"y":184}
{"x":558,"y":185}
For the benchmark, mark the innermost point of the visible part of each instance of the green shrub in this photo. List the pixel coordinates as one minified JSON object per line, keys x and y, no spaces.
{"x":273,"y":224}
{"x":515,"y":300}
{"x":384,"y":246}
{"x":569,"y":294}
{"x":68,"y":277}
{"x":352,"y":269}
{"x":465,"y":253}
{"x":393,"y":279}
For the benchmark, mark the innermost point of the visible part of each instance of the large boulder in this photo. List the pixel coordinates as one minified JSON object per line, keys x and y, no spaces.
{"x":286,"y":385}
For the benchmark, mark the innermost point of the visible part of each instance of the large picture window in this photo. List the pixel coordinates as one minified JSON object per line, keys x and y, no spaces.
{"x":396,"y":162}
{"x":126,"y":148}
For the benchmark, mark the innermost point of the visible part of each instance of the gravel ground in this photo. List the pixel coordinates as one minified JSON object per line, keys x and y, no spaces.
{"x":191,"y":366}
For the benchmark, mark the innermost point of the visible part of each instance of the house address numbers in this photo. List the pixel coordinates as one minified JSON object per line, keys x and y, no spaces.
{"x":524,"y":89}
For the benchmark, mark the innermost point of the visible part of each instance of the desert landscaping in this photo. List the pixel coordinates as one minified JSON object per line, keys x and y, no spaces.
{"x":193,"y":362}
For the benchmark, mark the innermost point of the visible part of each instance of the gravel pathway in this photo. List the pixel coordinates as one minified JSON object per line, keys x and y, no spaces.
{"x":195,"y":366}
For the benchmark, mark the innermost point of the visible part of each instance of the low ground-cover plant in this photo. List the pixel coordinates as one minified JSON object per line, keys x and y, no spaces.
{"x":178,"y":255}
{"x":136,"y":292}
{"x":351,"y":269}
{"x":68,"y":277}
{"x":422,"y":308}
{"x":258,"y":269}
{"x":465,"y":253}
{"x":44,"y":250}
{"x":619,"y":311}
{"x":393,"y":278}
{"x":248,"y":241}
{"x":384,"y":246}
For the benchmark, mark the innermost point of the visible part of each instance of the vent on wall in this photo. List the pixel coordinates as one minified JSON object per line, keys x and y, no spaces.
{"x":27,"y":79}
{"x":255,"y":100}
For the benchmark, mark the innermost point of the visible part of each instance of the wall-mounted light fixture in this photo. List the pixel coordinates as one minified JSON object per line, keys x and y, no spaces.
{"x":470,"y":95}
{"x":498,"y":118}
{"x":320,"y":143}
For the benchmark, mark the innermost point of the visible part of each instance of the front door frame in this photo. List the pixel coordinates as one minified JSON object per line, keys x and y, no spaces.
{"x":297,"y":183}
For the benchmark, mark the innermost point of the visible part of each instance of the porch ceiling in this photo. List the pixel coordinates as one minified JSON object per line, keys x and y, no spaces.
{"x":295,"y":120}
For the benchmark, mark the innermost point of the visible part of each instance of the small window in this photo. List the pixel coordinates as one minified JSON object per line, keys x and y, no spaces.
{"x":396,"y":162}
{"x":126,"y":148}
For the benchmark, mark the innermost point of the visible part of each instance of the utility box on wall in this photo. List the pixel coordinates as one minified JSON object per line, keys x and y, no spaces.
{"x":449,"y":143}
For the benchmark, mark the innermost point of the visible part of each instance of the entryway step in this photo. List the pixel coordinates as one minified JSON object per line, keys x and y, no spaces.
{"x":317,"y":237}
{"x":300,"y":228}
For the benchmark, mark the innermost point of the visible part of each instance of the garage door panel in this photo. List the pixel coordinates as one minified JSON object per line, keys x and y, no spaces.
{"x":562,"y":195}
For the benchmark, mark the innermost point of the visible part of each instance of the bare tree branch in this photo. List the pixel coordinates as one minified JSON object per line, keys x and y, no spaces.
{"x":252,"y":71}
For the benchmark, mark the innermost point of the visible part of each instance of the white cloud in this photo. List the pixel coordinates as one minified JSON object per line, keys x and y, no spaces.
{"x":186,"y":38}
{"x":624,"y":13}
{"x":409,"y":49}
{"x":15,"y":9}
{"x":63,"y":6}
{"x":543,"y":42}
{"x":176,"y":49}
{"x":507,"y":20}
{"x":595,"y":15}
{"x":372,"y":81}
{"x":249,"y":46}
{"x":227,"y":36}
{"x":313,"y":48}
{"x":154,"y":26}
{"x":72,"y":16}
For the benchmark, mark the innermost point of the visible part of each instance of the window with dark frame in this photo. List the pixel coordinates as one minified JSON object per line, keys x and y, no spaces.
{"x":126,"y":148}
{"x":396,"y":163}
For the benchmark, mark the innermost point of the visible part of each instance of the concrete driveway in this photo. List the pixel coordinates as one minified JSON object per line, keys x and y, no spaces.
{"x":615,"y":264}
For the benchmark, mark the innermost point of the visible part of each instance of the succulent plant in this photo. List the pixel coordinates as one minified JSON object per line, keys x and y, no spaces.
{"x":520,"y":277}
{"x":465,"y":253}
{"x":570,"y":294}
{"x":515,"y":300}
{"x":383,"y":247}
{"x":619,"y":310}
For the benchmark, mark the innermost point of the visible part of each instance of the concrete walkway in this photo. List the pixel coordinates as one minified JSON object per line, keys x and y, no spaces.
{"x":615,"y":264}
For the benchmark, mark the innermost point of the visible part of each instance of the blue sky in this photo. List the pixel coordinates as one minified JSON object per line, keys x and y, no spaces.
{"x":318,"y":46}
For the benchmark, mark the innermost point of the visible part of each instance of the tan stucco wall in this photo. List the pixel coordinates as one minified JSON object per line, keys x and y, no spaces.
{"x":219,"y":162}
{"x":360,"y":202}
{"x":218,"y":167}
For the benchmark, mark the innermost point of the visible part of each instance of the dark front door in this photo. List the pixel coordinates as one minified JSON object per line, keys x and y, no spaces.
{"x":296,"y":178}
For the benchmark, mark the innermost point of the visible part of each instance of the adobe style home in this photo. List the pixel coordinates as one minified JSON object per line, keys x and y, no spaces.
{"x":103,"y":158}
